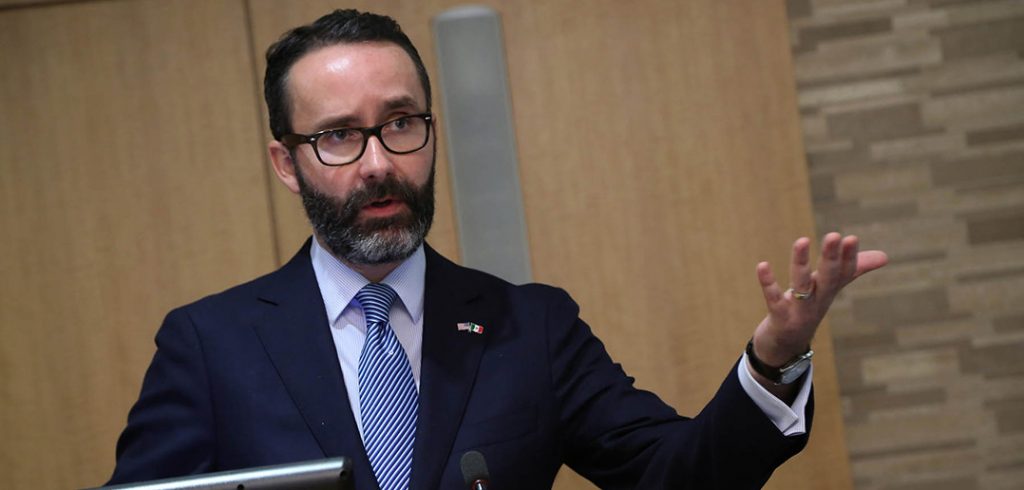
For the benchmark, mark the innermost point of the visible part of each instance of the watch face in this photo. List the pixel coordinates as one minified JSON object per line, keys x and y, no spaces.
{"x":792,"y":373}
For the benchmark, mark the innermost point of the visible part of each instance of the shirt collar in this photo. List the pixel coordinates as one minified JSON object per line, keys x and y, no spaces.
{"x":339,"y":283}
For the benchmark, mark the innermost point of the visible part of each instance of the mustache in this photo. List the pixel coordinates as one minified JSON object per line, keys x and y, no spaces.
{"x":375,"y":191}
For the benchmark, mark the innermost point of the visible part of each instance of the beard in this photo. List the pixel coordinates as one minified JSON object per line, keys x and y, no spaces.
{"x":371,"y":241}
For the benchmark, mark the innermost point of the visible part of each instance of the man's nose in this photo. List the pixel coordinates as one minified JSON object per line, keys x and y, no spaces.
{"x":376,"y":160}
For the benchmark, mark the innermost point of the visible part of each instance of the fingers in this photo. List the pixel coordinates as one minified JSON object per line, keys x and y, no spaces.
{"x":848,"y":259}
{"x":840,"y":263}
{"x":770,"y":288}
{"x":830,"y":263}
{"x":870,"y":260}
{"x":800,"y":266}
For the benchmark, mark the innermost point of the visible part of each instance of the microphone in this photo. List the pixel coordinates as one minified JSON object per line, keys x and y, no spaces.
{"x":474,"y":471}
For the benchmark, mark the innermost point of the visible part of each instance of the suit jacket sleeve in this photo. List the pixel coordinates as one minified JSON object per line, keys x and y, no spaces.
{"x":621,"y":437}
{"x":170,"y":429}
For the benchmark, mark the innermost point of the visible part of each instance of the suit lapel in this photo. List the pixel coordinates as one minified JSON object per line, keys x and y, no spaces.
{"x":295,"y":335}
{"x":450,"y":361}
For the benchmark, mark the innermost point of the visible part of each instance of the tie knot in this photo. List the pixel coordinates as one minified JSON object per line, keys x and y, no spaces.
{"x":376,"y":299}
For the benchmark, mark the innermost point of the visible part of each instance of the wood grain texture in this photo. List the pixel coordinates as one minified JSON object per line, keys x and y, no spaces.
{"x":131,"y":183}
{"x":661,"y":160}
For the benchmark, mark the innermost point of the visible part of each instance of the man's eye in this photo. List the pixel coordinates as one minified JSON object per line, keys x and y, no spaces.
{"x":341,"y":135}
{"x":398,"y":124}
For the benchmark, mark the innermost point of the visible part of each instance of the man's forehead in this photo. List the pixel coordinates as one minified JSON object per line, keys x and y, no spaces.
{"x":349,"y":77}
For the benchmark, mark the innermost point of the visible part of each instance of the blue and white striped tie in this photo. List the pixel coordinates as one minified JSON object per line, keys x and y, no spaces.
{"x":387,"y":392}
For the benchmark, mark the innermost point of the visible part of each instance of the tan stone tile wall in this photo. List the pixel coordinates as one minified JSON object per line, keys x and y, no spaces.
{"x":913,"y":117}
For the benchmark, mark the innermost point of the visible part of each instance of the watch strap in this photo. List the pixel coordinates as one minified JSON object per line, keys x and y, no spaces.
{"x":774,"y":374}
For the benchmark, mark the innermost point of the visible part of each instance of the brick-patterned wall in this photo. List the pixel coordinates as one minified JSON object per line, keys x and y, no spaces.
{"x":913,"y":117}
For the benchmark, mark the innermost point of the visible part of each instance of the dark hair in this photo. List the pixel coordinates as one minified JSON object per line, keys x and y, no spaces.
{"x":338,"y":27}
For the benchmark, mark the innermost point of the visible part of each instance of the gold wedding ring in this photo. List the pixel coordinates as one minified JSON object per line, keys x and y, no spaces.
{"x":800,"y":295}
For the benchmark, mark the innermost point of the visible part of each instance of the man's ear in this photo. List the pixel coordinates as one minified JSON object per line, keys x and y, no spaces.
{"x":284,"y":165}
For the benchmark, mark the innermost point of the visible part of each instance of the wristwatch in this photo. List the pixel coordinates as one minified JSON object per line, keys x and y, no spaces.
{"x":784,"y":375}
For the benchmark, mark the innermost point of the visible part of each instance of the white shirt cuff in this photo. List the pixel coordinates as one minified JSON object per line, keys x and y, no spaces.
{"x":789,"y":419}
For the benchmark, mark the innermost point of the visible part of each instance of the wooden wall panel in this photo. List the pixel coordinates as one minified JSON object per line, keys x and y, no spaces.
{"x":131,"y":181}
{"x":660,"y":158}
{"x":666,"y":165}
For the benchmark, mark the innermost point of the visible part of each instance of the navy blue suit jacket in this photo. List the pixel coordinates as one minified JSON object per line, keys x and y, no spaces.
{"x":250,"y":377}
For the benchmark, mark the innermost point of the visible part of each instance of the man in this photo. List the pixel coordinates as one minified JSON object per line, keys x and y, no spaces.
{"x":352,"y":347}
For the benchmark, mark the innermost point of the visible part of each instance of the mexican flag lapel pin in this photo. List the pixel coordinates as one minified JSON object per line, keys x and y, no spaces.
{"x":471,"y":327}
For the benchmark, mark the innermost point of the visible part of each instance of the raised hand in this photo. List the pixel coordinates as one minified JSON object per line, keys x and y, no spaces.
{"x":795,"y":313}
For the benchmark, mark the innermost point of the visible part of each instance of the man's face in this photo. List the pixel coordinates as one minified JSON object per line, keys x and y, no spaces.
{"x":379,"y":208}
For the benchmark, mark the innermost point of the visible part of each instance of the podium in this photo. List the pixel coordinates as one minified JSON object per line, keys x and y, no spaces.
{"x":324,"y":474}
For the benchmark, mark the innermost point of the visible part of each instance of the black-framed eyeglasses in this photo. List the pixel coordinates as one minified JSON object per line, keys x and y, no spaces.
{"x":342,"y":146}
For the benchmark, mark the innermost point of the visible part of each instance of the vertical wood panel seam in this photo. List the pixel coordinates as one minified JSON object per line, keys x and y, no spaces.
{"x":258,"y":100}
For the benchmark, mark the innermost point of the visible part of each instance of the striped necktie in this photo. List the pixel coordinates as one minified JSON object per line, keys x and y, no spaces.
{"x":387,"y":392}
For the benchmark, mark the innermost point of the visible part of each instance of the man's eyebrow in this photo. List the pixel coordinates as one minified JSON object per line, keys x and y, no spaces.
{"x":403,"y":102}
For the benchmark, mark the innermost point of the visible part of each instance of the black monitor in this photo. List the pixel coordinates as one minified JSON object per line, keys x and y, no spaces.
{"x":323,"y":474}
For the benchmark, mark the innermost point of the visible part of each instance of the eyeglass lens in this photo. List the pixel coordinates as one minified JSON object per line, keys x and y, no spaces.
{"x":403,"y":135}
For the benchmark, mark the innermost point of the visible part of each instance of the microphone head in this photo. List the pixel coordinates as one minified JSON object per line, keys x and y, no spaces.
{"x":474,"y":467}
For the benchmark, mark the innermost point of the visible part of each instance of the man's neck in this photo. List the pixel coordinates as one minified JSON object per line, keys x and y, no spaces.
{"x":372,"y":272}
